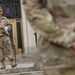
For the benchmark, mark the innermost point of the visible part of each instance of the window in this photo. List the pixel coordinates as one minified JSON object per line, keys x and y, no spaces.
{"x":11,"y":8}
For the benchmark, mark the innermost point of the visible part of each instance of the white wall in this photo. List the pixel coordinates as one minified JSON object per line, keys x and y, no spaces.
{"x":28,"y":33}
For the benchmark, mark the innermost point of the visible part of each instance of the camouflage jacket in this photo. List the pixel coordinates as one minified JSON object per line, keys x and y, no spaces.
{"x":4,"y":21}
{"x":53,"y":20}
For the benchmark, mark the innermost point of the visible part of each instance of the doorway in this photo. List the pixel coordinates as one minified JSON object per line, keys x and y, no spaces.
{"x":16,"y":35}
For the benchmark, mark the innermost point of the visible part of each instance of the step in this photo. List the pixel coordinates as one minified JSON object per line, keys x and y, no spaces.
{"x":22,"y":65}
{"x":25,"y":58}
{"x":22,"y":71}
{"x":27,"y":73}
{"x":24,"y":68}
{"x":21,"y":68}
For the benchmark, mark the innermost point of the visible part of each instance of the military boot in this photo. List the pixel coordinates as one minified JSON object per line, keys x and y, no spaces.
{"x":13,"y":64}
{"x":3,"y":65}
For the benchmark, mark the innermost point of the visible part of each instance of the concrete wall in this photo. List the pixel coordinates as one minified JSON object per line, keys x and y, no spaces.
{"x":28,"y":33}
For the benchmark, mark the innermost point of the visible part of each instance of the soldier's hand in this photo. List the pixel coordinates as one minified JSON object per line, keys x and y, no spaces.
{"x":73,"y":49}
{"x":73,"y":45}
{"x":2,"y":26}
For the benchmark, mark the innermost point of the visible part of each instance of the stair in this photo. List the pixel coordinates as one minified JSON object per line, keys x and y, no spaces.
{"x":26,"y":73}
{"x":25,"y":66}
{"x":23,"y":58}
{"x":21,"y":71}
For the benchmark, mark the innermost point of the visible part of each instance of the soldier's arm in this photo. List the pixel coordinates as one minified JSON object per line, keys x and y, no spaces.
{"x":7,"y":24}
{"x":42,"y":21}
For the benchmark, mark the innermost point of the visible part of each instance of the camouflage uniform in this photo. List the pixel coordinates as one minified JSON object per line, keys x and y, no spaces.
{"x":5,"y":44}
{"x":54,"y":49}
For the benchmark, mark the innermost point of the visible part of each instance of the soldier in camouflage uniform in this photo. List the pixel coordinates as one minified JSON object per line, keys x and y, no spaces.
{"x":55,"y":25}
{"x":5,"y":44}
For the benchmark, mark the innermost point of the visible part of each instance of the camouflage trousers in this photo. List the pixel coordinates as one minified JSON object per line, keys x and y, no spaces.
{"x":5,"y":48}
{"x":64,"y":71}
{"x":53,"y":59}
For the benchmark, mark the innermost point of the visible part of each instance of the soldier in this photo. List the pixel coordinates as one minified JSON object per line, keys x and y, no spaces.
{"x":5,"y":44}
{"x":56,"y":46}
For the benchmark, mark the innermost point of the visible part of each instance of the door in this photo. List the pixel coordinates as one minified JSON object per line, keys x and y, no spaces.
{"x":15,"y":35}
